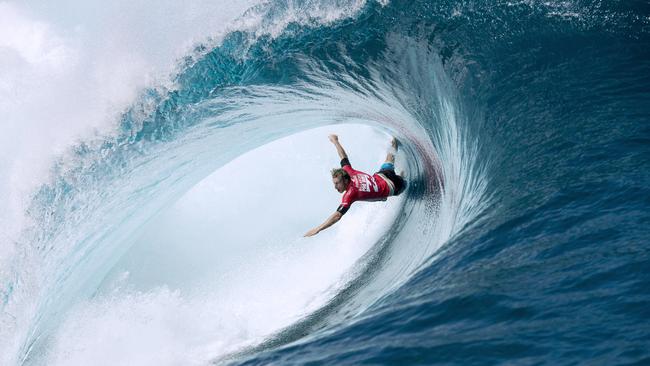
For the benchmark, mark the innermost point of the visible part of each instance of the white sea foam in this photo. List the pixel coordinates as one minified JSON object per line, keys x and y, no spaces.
{"x":69,"y":69}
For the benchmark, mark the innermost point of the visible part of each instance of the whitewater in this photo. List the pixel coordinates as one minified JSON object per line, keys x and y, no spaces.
{"x":160,"y":162}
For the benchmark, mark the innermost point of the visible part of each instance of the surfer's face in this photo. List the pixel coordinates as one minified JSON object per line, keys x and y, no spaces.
{"x":340,"y":184}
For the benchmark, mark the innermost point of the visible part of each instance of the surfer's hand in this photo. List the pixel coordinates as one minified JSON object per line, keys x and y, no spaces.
{"x":311,"y":232}
{"x":333,"y":138}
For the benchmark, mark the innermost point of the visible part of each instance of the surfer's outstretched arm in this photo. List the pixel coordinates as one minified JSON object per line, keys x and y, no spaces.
{"x":339,"y":148}
{"x":333,"y":219}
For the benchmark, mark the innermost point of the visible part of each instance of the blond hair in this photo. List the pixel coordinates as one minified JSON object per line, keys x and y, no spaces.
{"x":340,"y":172}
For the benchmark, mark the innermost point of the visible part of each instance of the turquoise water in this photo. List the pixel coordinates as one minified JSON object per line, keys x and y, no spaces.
{"x":522,"y":238}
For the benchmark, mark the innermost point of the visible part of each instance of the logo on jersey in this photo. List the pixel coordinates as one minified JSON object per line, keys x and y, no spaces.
{"x":363,"y":183}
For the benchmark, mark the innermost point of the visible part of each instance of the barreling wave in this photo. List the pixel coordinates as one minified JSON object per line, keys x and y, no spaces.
{"x":243,"y":93}
{"x":446,"y":79}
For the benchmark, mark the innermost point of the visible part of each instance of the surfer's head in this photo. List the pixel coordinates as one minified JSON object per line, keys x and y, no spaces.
{"x":341,"y":179}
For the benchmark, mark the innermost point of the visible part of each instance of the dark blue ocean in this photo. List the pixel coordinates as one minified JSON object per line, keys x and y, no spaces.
{"x":523,"y":236}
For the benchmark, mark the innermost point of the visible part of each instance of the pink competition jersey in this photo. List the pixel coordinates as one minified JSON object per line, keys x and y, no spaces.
{"x":364,"y":187}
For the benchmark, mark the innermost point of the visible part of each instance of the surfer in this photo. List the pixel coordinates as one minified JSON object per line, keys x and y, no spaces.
{"x":359,"y":186}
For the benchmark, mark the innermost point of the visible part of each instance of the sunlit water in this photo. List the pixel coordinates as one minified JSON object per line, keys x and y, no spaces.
{"x":159,"y":164}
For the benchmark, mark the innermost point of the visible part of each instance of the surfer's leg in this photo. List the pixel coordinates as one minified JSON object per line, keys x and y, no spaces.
{"x":388,"y":168}
{"x":392,"y":151}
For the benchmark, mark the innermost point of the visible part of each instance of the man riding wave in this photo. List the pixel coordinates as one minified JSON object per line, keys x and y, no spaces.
{"x":359,"y":186}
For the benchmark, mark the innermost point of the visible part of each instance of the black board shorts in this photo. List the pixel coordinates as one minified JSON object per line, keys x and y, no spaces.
{"x":398,"y":181}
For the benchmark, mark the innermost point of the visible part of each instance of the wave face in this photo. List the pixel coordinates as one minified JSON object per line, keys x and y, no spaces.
{"x":522,"y":236}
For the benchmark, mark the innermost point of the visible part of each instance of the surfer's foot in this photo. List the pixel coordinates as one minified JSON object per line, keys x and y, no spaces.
{"x":394,"y":143}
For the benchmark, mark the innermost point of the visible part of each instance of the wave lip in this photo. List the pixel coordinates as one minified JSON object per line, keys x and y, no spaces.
{"x":102,"y":192}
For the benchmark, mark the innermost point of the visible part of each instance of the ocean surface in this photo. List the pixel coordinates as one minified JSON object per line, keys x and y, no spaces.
{"x":521,"y":240}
